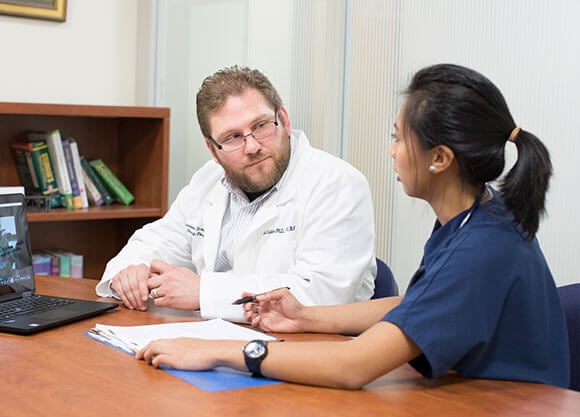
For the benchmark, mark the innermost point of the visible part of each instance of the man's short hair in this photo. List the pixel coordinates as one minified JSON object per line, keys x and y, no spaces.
{"x":227,"y":82}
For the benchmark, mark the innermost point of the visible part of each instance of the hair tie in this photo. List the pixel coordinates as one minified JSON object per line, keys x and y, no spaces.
{"x":514,"y":134}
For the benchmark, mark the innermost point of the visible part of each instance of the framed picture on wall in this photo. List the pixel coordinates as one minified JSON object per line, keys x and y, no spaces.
{"x":35,"y":9}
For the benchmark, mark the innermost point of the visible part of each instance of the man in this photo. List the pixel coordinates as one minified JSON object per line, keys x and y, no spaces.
{"x":268,"y":211}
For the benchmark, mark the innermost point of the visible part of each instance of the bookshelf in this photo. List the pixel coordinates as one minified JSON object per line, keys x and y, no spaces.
{"x":132,"y":141}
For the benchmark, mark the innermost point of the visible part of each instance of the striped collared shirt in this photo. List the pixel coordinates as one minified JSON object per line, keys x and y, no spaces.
{"x":238,"y":216}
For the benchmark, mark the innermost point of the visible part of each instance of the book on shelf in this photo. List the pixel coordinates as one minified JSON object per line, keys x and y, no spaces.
{"x":74,"y":147}
{"x":74,"y":181}
{"x":41,"y":264}
{"x":76,"y":265}
{"x":56,"y":156}
{"x":112,"y":182}
{"x":95,"y":197}
{"x":58,"y":263}
{"x":25,"y":168}
{"x":64,"y":263}
{"x":63,"y":260}
{"x":105,"y":194}
{"x":56,"y":152}
{"x":43,"y":169}
{"x":54,"y":262}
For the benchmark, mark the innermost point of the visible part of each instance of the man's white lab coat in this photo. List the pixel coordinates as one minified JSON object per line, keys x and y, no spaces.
{"x":314,"y":235}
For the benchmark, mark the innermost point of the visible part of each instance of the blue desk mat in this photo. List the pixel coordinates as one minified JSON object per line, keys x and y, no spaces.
{"x":220,"y":379}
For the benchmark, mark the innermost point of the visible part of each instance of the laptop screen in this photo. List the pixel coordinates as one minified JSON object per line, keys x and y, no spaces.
{"x":16,"y":272}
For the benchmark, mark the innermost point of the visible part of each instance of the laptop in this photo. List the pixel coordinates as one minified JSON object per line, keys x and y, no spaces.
{"x":17,"y":286}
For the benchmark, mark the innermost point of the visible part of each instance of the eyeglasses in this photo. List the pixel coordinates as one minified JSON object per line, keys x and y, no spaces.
{"x":237,"y":141}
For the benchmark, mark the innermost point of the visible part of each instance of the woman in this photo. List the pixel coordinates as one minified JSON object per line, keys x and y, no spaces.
{"x":482,"y":303}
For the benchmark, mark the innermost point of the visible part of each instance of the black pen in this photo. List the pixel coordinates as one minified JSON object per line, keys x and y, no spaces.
{"x":250,"y":298}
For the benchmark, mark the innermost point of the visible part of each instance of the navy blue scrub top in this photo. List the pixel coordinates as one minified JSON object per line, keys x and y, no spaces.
{"x":485,"y":304}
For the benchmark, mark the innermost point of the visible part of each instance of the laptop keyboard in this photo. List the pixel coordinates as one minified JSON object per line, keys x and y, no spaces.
{"x":30,"y":305}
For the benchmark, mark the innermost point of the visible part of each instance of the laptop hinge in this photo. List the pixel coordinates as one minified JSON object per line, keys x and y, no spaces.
{"x":27,"y":294}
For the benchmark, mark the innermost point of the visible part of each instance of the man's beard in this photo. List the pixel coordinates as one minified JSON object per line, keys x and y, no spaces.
{"x":248,"y":184}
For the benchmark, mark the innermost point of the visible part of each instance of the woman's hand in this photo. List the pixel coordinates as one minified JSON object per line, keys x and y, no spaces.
{"x":276,"y":311}
{"x":189,"y":353}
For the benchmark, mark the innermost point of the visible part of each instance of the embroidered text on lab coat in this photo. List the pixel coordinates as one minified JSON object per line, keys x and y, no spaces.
{"x":279,"y":230}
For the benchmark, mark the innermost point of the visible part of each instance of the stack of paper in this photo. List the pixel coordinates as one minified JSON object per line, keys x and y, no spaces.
{"x":132,"y":338}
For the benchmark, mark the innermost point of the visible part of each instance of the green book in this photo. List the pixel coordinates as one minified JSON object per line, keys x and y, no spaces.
{"x":64,"y":264}
{"x":42,"y":169}
{"x":24,"y":168}
{"x":91,"y":173}
{"x":115,"y":186}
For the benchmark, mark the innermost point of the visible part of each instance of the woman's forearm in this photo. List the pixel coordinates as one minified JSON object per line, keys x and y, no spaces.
{"x":349,"y":319}
{"x":343,"y":364}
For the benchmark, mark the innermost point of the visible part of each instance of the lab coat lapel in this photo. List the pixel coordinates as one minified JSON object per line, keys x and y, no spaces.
{"x":270,"y":211}
{"x":217,"y":201}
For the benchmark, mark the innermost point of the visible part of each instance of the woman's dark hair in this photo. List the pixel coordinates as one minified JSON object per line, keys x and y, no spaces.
{"x":460,"y":108}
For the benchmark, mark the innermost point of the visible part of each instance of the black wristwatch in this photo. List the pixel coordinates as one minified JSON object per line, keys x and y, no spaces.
{"x":254,"y":353}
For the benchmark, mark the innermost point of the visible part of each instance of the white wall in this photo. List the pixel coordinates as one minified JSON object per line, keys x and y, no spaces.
{"x":89,"y":59}
{"x":102,"y":54}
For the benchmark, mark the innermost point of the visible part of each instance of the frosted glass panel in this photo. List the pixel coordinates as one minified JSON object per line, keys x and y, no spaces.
{"x":298,"y":44}
{"x":187,"y":30}
{"x":528,"y":48}
{"x":371,"y":105}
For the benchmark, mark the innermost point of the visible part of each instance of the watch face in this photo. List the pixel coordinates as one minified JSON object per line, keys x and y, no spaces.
{"x":255,"y":349}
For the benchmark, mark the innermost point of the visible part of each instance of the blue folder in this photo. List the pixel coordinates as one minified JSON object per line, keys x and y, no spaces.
{"x":219,"y":379}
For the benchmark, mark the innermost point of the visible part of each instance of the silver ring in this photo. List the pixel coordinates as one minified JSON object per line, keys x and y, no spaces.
{"x":154,"y":293}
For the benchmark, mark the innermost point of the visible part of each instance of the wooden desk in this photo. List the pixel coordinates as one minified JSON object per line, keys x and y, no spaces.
{"x":62,"y":372}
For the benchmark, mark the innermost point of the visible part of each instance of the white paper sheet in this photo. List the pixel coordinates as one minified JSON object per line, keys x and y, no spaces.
{"x":132,"y":338}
